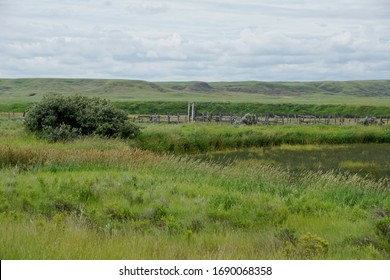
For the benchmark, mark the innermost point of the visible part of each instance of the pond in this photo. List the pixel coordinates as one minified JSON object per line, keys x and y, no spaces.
{"x":372,"y":160}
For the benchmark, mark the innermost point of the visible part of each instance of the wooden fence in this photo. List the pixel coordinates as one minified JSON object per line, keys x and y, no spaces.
{"x":259,"y":119}
{"x":11,"y":115}
{"x":266,"y":119}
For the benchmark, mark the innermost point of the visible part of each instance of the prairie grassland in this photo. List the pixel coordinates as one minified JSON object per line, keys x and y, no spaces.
{"x":108,"y":199}
{"x":365,"y":93}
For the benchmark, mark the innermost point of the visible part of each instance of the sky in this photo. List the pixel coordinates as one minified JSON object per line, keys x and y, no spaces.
{"x":279,"y":40}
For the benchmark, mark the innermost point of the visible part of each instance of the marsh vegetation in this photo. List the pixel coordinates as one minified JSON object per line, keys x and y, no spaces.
{"x":370,"y":159}
{"x":152,"y":198}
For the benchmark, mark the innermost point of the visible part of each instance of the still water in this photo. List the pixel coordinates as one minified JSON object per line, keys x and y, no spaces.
{"x":372,"y":160}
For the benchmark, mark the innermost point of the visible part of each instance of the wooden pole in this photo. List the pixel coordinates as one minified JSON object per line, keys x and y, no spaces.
{"x":188,"y":114}
{"x":193,"y":112}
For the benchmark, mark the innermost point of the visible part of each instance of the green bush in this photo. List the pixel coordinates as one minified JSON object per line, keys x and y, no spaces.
{"x":383,"y":227}
{"x":308,"y":246}
{"x":63,"y":132}
{"x":61,"y":118}
{"x":311,"y":245}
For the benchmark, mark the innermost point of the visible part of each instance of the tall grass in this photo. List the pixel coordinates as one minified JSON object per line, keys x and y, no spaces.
{"x":101,"y":199}
{"x":195,"y":138}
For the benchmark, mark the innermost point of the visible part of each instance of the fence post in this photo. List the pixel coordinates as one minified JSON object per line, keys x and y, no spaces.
{"x":193,"y":112}
{"x":188,"y":113}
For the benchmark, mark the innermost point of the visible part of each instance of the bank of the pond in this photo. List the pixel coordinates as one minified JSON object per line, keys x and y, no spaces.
{"x":201,"y":138}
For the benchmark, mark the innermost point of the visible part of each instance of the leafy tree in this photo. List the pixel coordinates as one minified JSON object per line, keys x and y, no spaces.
{"x":66,"y":117}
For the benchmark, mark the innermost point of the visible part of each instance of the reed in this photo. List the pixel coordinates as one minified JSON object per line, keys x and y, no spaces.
{"x":200,"y":138}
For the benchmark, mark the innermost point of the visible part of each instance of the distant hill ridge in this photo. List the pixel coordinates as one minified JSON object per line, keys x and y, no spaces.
{"x":31,"y":87}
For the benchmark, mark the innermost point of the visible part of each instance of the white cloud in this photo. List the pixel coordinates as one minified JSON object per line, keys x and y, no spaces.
{"x":196,"y":40}
{"x":147,"y":7}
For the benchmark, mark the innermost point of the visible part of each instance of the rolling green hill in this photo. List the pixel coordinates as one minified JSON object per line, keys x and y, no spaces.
{"x":16,"y":94}
{"x":31,"y":87}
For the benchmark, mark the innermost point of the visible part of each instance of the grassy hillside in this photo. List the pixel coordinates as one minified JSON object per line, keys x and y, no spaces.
{"x":370,"y":93}
{"x":354,"y":88}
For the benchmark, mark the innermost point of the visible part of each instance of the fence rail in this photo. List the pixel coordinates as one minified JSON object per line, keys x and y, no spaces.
{"x":11,"y":115}
{"x":260,"y":119}
{"x":266,"y":119}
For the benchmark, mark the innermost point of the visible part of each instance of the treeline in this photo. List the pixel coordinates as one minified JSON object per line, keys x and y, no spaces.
{"x":161,"y":107}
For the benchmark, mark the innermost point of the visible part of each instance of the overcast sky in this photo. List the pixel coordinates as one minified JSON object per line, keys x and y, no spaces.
{"x":278,"y":40}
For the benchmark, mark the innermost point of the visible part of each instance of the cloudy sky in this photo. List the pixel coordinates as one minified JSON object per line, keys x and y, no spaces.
{"x":278,"y":40}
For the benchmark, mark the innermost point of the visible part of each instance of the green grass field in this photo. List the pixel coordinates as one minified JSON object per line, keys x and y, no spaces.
{"x":199,"y":191}
{"x":151,"y":199}
{"x":354,"y":93}
{"x":351,"y":98}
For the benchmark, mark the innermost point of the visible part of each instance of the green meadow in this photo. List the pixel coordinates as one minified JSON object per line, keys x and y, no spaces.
{"x":200,"y":191}
{"x":186,"y":192}
{"x":358,"y":98}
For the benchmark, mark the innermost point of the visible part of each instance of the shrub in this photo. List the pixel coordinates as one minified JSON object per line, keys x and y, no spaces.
{"x":383,"y":227}
{"x":306,"y":246}
{"x":288,"y":236}
{"x":311,"y":245}
{"x":61,"y":118}
{"x":64,"y":132}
